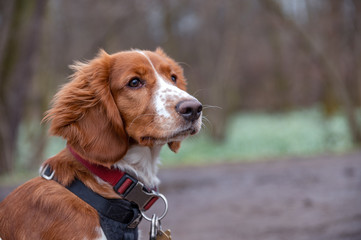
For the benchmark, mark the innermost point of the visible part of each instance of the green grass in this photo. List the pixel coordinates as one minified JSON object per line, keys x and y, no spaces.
{"x":251,"y":136}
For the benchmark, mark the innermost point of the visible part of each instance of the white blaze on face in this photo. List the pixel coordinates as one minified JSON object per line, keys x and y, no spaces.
{"x":165,"y":92}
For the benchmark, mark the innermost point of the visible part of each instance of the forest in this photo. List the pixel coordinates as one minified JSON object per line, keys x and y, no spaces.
{"x":269,"y":56}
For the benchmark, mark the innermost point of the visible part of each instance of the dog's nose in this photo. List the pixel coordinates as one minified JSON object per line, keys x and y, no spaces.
{"x":190,"y":110}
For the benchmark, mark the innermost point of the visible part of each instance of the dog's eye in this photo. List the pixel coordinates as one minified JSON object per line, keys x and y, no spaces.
{"x":135,"y":83}
{"x":174,"y":78}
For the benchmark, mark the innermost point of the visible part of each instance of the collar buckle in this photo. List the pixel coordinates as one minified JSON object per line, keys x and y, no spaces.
{"x":132,"y":190}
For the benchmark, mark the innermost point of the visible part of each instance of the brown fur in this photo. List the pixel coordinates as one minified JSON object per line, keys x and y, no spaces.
{"x":85,"y":114}
{"x":42,"y":204}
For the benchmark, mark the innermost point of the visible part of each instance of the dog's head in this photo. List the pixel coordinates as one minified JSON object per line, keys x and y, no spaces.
{"x":131,"y":97}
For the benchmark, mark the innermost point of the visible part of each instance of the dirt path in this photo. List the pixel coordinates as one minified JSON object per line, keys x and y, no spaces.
{"x":299,"y":199}
{"x":296,"y":199}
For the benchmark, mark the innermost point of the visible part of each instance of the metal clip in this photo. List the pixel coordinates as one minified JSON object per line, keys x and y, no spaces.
{"x":139,"y":196}
{"x":47,"y":173}
{"x":133,"y":190}
{"x":165,"y":208}
{"x":154,"y":227}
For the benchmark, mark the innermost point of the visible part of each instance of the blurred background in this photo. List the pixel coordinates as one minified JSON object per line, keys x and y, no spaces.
{"x":280,"y":79}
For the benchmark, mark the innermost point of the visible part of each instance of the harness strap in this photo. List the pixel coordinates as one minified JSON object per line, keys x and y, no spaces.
{"x":119,"y":210}
{"x":116,"y":209}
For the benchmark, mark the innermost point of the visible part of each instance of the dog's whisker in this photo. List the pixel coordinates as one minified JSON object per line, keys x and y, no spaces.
{"x":206,"y":121}
{"x":185,"y":64}
{"x":210,"y":106}
{"x":199,"y":90}
{"x":203,"y":125}
{"x":141,"y":115}
{"x":149,"y":124}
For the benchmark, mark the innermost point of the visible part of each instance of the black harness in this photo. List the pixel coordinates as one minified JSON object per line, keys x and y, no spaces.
{"x":119,"y":218}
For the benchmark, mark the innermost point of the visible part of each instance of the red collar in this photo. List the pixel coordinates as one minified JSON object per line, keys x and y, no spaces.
{"x":127,"y":186}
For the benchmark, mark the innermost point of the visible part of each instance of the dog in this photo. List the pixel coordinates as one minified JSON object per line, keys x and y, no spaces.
{"x":116,"y":113}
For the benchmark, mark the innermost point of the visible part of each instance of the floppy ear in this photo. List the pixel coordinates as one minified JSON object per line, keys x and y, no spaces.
{"x":174,"y":146}
{"x":85,"y":114}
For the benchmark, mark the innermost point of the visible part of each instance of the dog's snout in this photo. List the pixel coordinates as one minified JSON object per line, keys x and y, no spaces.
{"x":190,"y":110}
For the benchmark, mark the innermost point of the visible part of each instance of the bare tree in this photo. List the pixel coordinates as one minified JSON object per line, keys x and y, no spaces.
{"x":17,"y":59}
{"x":330,"y":71}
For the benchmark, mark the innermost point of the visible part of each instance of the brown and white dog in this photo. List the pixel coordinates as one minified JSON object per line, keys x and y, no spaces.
{"x":117,"y":111}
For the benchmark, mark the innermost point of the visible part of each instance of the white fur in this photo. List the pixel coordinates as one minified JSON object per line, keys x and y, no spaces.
{"x":142,"y":162}
{"x":101,"y":233}
{"x":164,"y":92}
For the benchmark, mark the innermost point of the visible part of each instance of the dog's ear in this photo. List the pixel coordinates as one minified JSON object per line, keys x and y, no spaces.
{"x":85,"y":114}
{"x":174,"y":146}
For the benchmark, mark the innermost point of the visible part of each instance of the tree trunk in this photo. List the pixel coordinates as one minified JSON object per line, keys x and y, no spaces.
{"x":329,"y":69}
{"x":17,"y":62}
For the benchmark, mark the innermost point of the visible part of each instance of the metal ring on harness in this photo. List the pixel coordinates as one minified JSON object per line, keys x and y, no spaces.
{"x":165,"y":209}
{"x":47,"y":170}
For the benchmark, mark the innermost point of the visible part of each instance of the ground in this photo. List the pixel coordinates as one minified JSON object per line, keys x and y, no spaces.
{"x":316,"y":198}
